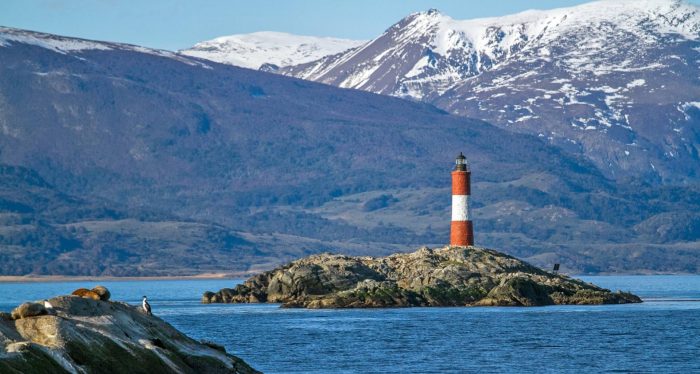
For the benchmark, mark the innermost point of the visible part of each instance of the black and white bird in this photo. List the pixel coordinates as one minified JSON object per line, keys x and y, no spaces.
{"x":146,"y":306}
{"x":48,"y":307}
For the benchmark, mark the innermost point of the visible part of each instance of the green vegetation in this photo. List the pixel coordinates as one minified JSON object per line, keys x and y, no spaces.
{"x":447,"y":295}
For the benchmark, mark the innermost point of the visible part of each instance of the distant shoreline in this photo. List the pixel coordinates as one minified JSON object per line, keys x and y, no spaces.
{"x":214,"y":276}
{"x":81,"y":278}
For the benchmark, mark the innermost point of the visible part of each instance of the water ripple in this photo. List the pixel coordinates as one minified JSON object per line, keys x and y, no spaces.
{"x":660,"y":335}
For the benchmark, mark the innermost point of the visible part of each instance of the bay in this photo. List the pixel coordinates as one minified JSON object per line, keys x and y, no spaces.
{"x":660,"y":335}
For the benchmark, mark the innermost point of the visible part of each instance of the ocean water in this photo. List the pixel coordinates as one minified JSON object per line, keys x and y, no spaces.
{"x":660,"y":335}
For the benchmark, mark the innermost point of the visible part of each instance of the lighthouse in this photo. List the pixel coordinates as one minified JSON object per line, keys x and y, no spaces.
{"x":461,"y":230}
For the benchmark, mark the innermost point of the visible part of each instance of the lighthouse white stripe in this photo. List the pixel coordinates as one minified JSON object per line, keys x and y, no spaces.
{"x":460,"y":207}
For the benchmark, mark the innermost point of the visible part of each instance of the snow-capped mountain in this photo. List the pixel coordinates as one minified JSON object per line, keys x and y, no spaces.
{"x":159,"y":162}
{"x":69,"y":45}
{"x":617,"y":81}
{"x":273,"y":49}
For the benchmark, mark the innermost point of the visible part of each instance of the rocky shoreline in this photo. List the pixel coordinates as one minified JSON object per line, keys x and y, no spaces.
{"x":90,"y":334}
{"x":449,"y":276}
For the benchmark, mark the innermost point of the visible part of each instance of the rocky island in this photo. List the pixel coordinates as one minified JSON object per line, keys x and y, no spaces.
{"x":449,"y":276}
{"x":90,"y":334}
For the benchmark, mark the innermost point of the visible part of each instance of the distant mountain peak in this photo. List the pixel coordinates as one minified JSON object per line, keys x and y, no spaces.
{"x":269,"y":48}
{"x":579,"y":77}
{"x":431,"y":12}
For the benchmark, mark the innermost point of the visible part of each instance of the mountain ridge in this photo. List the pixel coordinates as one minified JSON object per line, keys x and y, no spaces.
{"x":613,"y":81}
{"x":268,"y":48}
{"x":215,"y":167}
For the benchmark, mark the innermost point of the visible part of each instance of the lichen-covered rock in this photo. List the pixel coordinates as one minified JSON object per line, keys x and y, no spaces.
{"x":206,"y":297}
{"x":450,"y":276}
{"x":27,"y":310}
{"x":102,"y":292}
{"x":91,"y":336}
{"x":366,"y":294}
{"x":88,"y":294}
{"x":584,"y":297}
{"x":516,"y":291}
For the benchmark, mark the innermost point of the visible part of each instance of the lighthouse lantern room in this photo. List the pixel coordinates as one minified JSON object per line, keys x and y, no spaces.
{"x":461,"y":230}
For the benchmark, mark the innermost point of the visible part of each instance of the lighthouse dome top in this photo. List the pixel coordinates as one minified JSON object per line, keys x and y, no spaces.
{"x":461,"y":163}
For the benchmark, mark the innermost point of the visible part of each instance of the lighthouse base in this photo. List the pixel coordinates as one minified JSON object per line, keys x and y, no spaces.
{"x":461,"y":233}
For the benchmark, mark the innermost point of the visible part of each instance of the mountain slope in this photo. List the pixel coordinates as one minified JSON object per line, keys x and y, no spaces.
{"x":218,"y":168}
{"x":270,"y":49}
{"x":45,"y":231}
{"x":615,"y":81}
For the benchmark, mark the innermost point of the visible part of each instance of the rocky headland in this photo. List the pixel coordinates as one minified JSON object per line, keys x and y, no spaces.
{"x":87,"y":333}
{"x":449,"y":276}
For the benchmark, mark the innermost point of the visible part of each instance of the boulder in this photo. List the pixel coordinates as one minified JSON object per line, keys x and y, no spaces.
{"x":207,"y":297}
{"x":95,"y":336}
{"x":518,"y":291}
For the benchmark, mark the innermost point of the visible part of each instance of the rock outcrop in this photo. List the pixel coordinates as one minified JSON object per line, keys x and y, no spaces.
{"x":83,"y":335}
{"x":450,"y":276}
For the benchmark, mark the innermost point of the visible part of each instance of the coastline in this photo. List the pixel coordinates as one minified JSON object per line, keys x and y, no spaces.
{"x":215,"y":276}
{"x":81,"y":278}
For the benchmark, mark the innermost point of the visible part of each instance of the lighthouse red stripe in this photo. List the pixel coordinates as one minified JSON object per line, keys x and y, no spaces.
{"x":461,"y":233}
{"x":460,"y":183}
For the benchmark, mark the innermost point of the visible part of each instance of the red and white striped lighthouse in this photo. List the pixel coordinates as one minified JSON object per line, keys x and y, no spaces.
{"x":461,"y":231}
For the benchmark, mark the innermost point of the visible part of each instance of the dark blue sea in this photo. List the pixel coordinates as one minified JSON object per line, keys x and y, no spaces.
{"x":660,"y":335}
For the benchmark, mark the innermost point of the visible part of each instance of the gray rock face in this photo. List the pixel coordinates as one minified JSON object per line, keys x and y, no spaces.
{"x":93,"y":336}
{"x":450,"y":276}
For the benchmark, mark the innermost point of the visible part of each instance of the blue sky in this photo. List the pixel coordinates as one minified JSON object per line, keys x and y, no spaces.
{"x":176,"y":24}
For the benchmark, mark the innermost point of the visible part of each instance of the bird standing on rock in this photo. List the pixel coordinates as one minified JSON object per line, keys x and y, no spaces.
{"x":49,"y":307}
{"x":146,"y":306}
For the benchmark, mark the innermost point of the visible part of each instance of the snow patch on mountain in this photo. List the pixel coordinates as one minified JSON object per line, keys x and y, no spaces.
{"x":68,"y":45}
{"x":592,"y":79}
{"x":692,"y":104}
{"x":58,"y":44}
{"x":268,"y":47}
{"x":448,"y":51}
{"x":636,"y":83}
